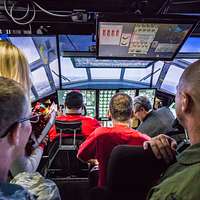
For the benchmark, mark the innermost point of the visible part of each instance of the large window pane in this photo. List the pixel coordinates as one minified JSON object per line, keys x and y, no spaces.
{"x":157,"y":70}
{"x":41,"y":82}
{"x":69,"y":73}
{"x":171,"y":79}
{"x":55,"y":72}
{"x":27,"y":45}
{"x":105,"y":73}
{"x":138,"y":75}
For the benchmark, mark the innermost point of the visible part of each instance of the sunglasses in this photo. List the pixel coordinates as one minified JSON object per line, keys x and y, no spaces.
{"x":31,"y":118}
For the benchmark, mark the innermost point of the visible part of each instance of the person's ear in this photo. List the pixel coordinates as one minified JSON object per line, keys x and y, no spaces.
{"x":186,"y":102}
{"x":14,"y":135}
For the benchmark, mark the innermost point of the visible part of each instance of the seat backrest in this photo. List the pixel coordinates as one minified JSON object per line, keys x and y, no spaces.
{"x":132,"y":171}
{"x":63,"y":149}
{"x":68,"y":127}
{"x":71,"y":130}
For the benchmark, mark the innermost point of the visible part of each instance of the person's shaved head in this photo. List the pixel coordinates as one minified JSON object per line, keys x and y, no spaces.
{"x":190,"y":83}
{"x":188,"y":99}
{"x":190,"y":79}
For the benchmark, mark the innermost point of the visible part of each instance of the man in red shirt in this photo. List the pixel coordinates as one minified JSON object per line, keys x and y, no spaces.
{"x":101,"y":142}
{"x":74,"y":106}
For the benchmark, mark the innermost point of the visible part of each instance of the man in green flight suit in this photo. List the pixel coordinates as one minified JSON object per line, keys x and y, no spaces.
{"x":181,"y":181}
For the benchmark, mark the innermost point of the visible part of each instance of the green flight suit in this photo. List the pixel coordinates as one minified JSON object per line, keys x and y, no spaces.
{"x":181,"y":181}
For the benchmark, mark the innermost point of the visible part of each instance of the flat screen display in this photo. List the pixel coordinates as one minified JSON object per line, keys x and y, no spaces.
{"x":148,"y":40}
{"x":89,"y":98}
{"x":171,"y":79}
{"x":131,"y":93}
{"x":149,"y":93}
{"x":104,"y":100}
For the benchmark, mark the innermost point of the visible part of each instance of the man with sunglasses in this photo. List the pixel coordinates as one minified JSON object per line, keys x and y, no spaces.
{"x":152,"y":122}
{"x":15,"y":129}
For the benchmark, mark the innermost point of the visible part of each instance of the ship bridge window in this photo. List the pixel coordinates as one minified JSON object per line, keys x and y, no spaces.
{"x":27,"y":45}
{"x":105,"y":73}
{"x":41,"y":82}
{"x":71,"y":74}
{"x":171,"y":79}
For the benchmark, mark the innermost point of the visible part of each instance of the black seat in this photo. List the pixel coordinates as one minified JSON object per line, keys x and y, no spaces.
{"x":69,"y":133}
{"x":63,"y":150}
{"x":132,"y":171}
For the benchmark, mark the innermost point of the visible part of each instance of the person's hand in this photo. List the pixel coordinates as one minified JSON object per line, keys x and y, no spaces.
{"x":45,"y":140}
{"x":162,"y":146}
{"x":93,"y":162}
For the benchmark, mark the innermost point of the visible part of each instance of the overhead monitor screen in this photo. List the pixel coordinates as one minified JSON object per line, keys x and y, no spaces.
{"x":131,"y":93}
{"x":104,"y":100}
{"x":149,"y":40}
{"x":89,"y":98}
{"x":149,"y":93}
{"x":171,"y":79}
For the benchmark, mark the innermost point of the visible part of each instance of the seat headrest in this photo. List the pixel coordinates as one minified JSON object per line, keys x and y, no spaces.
{"x":68,"y":126}
{"x":132,"y":165}
{"x":132,"y":171}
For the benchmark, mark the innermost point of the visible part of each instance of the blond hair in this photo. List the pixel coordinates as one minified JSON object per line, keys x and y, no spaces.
{"x":14,"y":65}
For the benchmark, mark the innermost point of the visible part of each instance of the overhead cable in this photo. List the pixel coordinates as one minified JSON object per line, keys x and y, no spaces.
{"x":18,"y":20}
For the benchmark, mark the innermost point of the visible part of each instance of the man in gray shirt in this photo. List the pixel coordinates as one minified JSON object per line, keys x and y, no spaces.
{"x":152,"y":122}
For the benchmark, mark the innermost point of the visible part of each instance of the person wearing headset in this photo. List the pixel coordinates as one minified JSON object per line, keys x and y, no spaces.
{"x":74,"y":107}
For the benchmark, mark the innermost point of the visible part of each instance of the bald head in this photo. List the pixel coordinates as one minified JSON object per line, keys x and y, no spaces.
{"x":190,"y":82}
{"x":188,"y":101}
{"x":191,"y":77}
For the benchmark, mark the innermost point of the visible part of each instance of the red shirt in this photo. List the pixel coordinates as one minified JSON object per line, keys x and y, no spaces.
{"x":100,"y":143}
{"x":89,"y":124}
